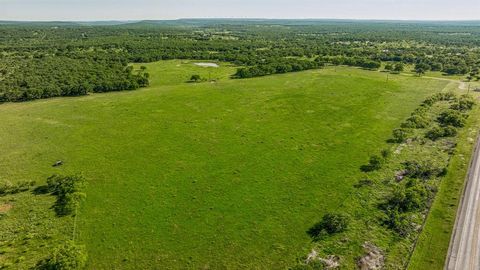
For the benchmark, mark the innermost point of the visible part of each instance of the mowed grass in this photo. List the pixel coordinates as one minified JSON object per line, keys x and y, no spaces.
{"x":225,"y":175}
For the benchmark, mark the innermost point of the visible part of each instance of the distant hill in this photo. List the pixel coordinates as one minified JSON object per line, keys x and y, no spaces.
{"x":234,"y":21}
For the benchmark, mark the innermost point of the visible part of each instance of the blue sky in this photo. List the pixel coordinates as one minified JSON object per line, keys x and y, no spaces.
{"x":173,"y":9}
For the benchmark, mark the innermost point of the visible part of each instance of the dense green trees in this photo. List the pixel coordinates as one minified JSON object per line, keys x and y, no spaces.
{"x":39,"y":61}
{"x":64,"y":76}
{"x":276,"y":67}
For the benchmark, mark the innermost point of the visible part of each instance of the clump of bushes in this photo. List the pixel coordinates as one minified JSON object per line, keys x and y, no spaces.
{"x":7,"y":187}
{"x":386,"y":153}
{"x":68,"y":256}
{"x":452,"y":118}
{"x":375,"y":163}
{"x":464,"y":103}
{"x":423,"y":169}
{"x":414,"y":196}
{"x":68,"y":190}
{"x":449,"y":96}
{"x":410,"y":198}
{"x":440,"y":132}
{"x":331,"y":223}
{"x":416,"y":121}
{"x":196,"y":78}
{"x":401,"y":223}
{"x":400,"y":135}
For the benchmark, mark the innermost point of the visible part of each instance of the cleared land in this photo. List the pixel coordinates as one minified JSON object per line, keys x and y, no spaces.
{"x":222,"y":175}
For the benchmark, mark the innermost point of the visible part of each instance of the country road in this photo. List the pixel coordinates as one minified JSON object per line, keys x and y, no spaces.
{"x":464,"y":250}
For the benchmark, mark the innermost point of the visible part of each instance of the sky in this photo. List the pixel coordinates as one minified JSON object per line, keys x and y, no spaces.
{"x":84,"y":10}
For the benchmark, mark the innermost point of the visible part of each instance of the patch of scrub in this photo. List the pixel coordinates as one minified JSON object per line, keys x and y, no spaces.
{"x":207,"y":65}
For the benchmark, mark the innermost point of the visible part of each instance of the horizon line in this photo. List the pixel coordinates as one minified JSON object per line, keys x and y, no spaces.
{"x":246,"y":19}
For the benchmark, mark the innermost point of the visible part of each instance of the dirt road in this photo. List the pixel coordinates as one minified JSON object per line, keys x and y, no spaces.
{"x":464,"y":250}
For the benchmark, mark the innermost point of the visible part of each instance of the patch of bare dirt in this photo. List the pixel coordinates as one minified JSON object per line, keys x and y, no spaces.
{"x":330,"y":262}
{"x":4,"y":208}
{"x":372,"y":260}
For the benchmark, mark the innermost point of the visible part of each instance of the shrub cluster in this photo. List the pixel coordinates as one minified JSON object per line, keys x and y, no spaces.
{"x":423,"y":169}
{"x":14,"y":188}
{"x":196,"y":78}
{"x":416,"y":194}
{"x":330,"y":224}
{"x":464,"y":103}
{"x":68,"y":256}
{"x":413,"y":197}
{"x":400,"y":135}
{"x":375,"y":163}
{"x":68,"y":190}
{"x":416,"y":120}
{"x":448,"y":96}
{"x":440,"y":132}
{"x":452,"y":118}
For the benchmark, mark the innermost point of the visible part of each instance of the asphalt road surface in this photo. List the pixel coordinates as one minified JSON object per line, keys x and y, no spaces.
{"x":464,"y":250}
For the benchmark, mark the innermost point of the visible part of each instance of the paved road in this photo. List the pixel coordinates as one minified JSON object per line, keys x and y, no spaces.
{"x":464,"y":251}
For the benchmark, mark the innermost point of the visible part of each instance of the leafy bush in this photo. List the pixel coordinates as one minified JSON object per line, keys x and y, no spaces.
{"x":449,"y":131}
{"x":330,"y":224}
{"x":440,"y":132}
{"x":401,"y":223}
{"x":399,"y":67}
{"x":464,"y":103}
{"x":68,"y":190}
{"x":422,"y":170}
{"x":416,"y":121}
{"x":449,"y":96}
{"x":195,"y":78}
{"x":68,"y":256}
{"x":414,"y":197}
{"x":452,"y":118}
{"x":375,"y":163}
{"x":386,"y":153}
{"x":400,"y":135}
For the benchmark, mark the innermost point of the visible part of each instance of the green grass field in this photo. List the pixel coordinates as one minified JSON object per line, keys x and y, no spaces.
{"x":225,"y":175}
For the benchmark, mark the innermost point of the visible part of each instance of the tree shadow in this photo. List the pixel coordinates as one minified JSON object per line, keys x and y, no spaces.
{"x":40,"y":190}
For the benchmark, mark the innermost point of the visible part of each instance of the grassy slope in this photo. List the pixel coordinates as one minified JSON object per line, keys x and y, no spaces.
{"x":432,"y":246}
{"x":225,"y":175}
